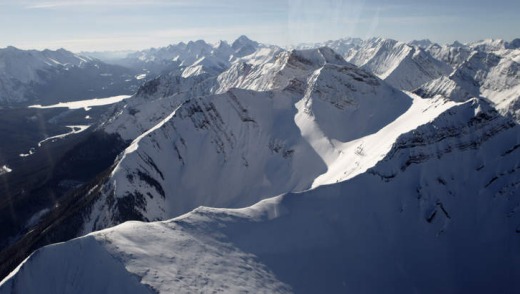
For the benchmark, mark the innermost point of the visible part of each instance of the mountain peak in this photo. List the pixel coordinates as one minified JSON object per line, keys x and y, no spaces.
{"x":243,"y":39}
{"x":197,"y":43}
{"x":221,"y":44}
{"x":457,"y":44}
{"x":315,"y":57}
{"x":514,"y":44}
{"x":11,"y":48}
{"x":244,"y":46}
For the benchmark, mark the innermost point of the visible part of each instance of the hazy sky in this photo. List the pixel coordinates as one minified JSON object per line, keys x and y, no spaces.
{"x":137,"y":24}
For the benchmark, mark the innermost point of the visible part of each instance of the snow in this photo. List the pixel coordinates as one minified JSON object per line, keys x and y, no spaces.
{"x":192,"y":58}
{"x":23,"y":65}
{"x":5,"y":170}
{"x":135,"y":144}
{"x":153,"y":102}
{"x":31,"y":152}
{"x":351,"y":158}
{"x":75,"y":129}
{"x":106,"y":272}
{"x":482,"y":74}
{"x":404,"y":66}
{"x":85,"y":104}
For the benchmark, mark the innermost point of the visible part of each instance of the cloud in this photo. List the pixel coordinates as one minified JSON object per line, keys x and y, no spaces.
{"x":81,"y":3}
{"x":271,"y":5}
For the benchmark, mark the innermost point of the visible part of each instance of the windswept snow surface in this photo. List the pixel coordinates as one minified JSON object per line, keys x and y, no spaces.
{"x":85,"y":104}
{"x":108,"y":274}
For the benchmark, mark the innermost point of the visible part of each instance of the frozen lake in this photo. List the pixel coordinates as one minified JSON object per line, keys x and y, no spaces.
{"x":85,"y":104}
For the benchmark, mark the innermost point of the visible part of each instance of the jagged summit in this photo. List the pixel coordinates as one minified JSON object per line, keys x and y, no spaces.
{"x":242,"y":41}
{"x":244,"y":46}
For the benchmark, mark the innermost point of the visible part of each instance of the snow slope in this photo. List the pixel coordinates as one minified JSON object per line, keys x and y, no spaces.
{"x":439,"y":213}
{"x":154,"y":100}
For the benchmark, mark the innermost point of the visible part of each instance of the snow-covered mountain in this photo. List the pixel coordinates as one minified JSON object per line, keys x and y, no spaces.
{"x":341,"y":46}
{"x":359,"y":186}
{"x":482,"y":74}
{"x":402,"y":65}
{"x":30,"y":76}
{"x":438,"y":213}
{"x":295,"y":123}
{"x":452,"y":54}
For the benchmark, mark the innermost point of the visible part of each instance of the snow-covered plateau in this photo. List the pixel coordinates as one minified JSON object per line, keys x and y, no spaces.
{"x":352,"y":166}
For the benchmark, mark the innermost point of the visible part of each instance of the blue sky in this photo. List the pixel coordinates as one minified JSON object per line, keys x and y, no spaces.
{"x":137,"y":24}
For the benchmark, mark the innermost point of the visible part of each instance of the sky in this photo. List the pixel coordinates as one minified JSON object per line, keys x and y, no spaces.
{"x":95,"y":25}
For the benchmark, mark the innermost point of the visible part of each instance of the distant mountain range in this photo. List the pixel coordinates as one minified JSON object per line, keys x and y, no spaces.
{"x":48,"y":77}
